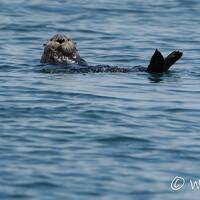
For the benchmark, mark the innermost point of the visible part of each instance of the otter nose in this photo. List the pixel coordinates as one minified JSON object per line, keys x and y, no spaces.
{"x":60,"y":40}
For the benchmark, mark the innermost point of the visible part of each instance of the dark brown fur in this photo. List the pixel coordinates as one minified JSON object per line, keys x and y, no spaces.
{"x":61,"y":50}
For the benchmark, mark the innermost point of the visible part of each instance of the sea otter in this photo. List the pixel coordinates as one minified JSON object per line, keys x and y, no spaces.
{"x":62,"y":50}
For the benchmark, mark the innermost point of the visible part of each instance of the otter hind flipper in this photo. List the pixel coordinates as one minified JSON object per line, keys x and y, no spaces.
{"x":156,"y":64}
{"x":171,"y":59}
{"x":159,"y":64}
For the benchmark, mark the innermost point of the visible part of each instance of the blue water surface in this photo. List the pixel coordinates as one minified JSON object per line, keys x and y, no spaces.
{"x":111,"y":136}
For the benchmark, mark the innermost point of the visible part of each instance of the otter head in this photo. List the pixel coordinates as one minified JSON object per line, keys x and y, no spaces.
{"x":60,"y":49}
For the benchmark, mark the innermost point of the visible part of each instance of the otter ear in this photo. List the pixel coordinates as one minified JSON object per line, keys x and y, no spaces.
{"x":156,"y":64}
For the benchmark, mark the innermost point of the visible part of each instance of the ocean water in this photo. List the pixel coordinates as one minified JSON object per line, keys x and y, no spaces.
{"x":107,"y":136}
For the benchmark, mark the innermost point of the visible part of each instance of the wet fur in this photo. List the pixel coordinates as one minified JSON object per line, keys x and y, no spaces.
{"x":62,"y":50}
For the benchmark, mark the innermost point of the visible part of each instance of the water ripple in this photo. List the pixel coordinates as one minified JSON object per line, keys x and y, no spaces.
{"x":99,"y":136}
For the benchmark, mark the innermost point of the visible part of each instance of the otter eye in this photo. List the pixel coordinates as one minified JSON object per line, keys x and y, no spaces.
{"x":60,"y":41}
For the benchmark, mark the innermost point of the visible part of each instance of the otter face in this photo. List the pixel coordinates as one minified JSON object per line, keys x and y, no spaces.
{"x":60,"y":49}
